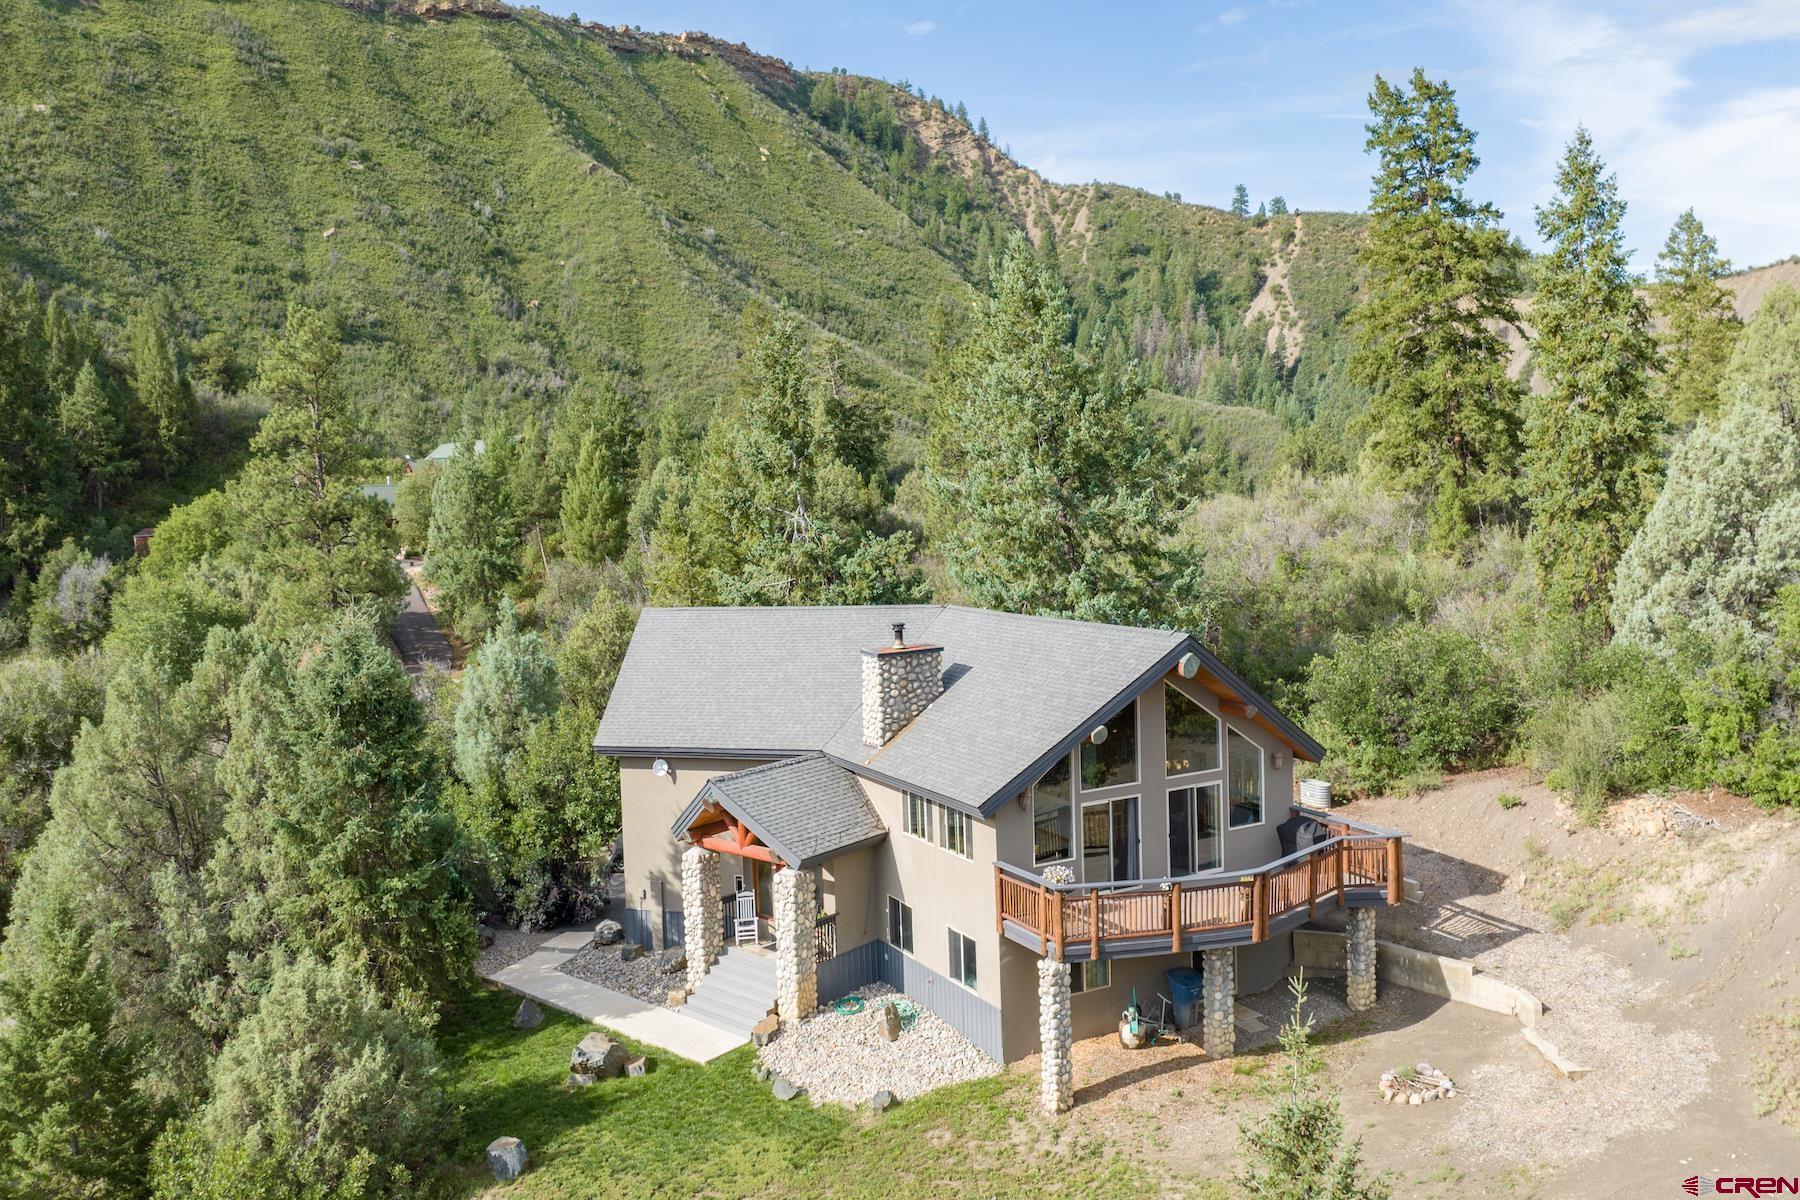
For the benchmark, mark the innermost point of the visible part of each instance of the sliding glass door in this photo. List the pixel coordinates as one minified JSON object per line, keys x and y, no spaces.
{"x":1194,"y":826}
{"x":1109,"y":840}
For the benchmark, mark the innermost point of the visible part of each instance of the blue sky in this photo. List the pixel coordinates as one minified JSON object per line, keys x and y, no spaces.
{"x":1692,"y":105}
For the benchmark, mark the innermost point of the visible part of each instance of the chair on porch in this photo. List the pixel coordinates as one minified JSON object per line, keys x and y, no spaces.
{"x":743,"y":921}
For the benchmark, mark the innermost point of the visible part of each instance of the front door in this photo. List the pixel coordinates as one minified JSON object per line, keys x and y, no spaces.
{"x":1109,"y":840}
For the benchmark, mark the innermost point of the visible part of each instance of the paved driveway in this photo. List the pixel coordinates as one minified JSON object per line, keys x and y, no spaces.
{"x":421,"y":644}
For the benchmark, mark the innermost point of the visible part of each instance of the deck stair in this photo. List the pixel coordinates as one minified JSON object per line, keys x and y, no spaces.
{"x":738,"y":992}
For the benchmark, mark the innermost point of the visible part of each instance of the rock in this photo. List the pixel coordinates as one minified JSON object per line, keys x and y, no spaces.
{"x":579,"y":1079}
{"x":677,"y":997}
{"x":529,"y":1016}
{"x":764,"y":1031}
{"x":329,"y":233}
{"x":637,"y":1066}
{"x":674,"y":960}
{"x":629,"y":951}
{"x":881,"y":1101}
{"x":887,"y":1021}
{"x":1423,"y":1068}
{"x":608,"y":932}
{"x":484,"y":937}
{"x":592,"y":167}
{"x":507,"y":1158}
{"x":785,"y":1090}
{"x":1415,"y":1098}
{"x":597,"y":1055}
{"x":759,"y":1073}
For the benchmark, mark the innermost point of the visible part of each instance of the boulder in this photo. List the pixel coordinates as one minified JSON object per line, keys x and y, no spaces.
{"x":887,"y":1021}
{"x":638,"y":1066}
{"x":674,"y":960}
{"x":677,"y":997}
{"x":786,"y":1089}
{"x":629,"y":951}
{"x":484,"y":937}
{"x":597,"y":1055}
{"x":578,"y":1079}
{"x":881,"y":1101}
{"x":529,"y":1016}
{"x":507,"y":1158}
{"x":759,"y":1072}
{"x":607,"y":932}
{"x":764,"y":1031}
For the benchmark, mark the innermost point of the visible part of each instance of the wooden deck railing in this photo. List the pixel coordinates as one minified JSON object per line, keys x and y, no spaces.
{"x":1061,"y":915}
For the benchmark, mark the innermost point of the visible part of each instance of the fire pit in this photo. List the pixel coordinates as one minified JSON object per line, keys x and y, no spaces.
{"x":1416,"y":1085}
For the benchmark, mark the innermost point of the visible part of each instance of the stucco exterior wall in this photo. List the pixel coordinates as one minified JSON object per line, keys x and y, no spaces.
{"x":648,"y":807}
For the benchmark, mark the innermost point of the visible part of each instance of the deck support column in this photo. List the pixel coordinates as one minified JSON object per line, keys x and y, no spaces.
{"x":1359,"y":960}
{"x":1056,"y":1031}
{"x":796,"y":967}
{"x":1218,"y":996}
{"x":702,"y":919}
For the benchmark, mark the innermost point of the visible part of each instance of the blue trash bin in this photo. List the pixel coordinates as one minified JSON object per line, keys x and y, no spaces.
{"x":1184,"y":991}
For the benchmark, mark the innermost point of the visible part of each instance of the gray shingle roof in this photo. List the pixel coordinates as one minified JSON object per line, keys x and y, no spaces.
{"x":805,"y":809}
{"x":778,"y":682}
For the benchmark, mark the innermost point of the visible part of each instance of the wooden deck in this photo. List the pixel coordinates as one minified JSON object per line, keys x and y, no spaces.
{"x":1357,"y":866}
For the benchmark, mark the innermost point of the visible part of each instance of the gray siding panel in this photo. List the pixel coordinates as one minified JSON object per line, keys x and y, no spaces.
{"x":674,"y":929}
{"x":877,"y":961}
{"x":639,"y":926}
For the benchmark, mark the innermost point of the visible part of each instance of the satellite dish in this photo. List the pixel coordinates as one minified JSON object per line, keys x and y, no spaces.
{"x":660,"y":768}
{"x":1189,"y":666}
{"x":1098,"y":736}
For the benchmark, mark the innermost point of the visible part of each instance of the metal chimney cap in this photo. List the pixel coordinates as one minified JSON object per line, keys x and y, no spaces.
{"x":899,"y":634}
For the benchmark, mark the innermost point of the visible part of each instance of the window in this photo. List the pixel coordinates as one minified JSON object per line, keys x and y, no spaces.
{"x":1050,"y":814}
{"x":1089,"y":976}
{"x":962,"y":959}
{"x":1244,"y":779}
{"x":900,"y":924}
{"x":934,"y":822}
{"x":918,"y":816}
{"x":1193,"y":735}
{"x":1113,"y":760}
{"x":1194,"y":829}
{"x":953,"y":831}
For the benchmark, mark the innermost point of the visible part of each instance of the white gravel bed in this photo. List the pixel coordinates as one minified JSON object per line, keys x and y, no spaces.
{"x":644,"y":977}
{"x":510,"y":946}
{"x":845,"y":1060}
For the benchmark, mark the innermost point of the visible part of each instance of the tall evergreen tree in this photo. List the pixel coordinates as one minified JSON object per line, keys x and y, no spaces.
{"x":321,"y":543}
{"x":510,"y":686}
{"x":1443,"y":417}
{"x":595,"y":454}
{"x":159,"y":385}
{"x":1701,"y":323}
{"x":92,"y":431}
{"x":36,"y":482}
{"x":1278,"y":206}
{"x":73,"y":1122}
{"x":779,"y":512}
{"x":1593,"y":435}
{"x":1051,"y":493}
{"x":473,"y":554}
{"x":1240,"y":201}
{"x":1764,"y":370}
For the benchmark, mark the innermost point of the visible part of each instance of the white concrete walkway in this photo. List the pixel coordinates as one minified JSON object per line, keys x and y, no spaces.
{"x":540,"y":976}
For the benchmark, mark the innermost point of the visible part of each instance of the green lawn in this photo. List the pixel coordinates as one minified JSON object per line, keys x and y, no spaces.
{"x":687,"y":1130}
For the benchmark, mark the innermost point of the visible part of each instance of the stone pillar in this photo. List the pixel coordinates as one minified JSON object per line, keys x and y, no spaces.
{"x":796,"y":971}
{"x":1056,"y":1033}
{"x":701,"y":918}
{"x":1218,"y":1002}
{"x":1359,"y":960}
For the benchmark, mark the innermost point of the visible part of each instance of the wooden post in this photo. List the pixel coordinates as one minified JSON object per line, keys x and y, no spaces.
{"x":1057,"y":914}
{"x":1259,"y":919}
{"x":1000,"y":903}
{"x":1396,"y":873}
{"x":1312,"y":885}
{"x":1340,"y":874}
{"x":1094,"y":925}
{"x":1175,"y":918}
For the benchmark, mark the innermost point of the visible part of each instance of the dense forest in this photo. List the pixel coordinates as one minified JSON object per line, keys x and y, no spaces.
{"x":704,"y":330}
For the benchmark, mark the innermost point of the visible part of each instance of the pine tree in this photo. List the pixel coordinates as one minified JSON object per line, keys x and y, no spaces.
{"x":73,"y":1120}
{"x":981,"y":131}
{"x":321,"y":543}
{"x":1278,"y":206}
{"x":510,"y":686}
{"x":595,"y":453}
{"x":1297,"y":1151}
{"x":1443,"y":415}
{"x":1764,"y":370}
{"x":159,"y":384}
{"x":92,"y":432}
{"x":1701,"y":323}
{"x":474,"y":542}
{"x":1051,"y":494}
{"x":36,"y":480}
{"x":1240,"y":201}
{"x":1592,"y":436}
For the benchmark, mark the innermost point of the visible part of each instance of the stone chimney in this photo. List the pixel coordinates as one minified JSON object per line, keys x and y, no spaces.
{"x":898,"y":681}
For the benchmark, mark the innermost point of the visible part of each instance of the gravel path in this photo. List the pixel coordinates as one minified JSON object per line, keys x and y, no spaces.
{"x":510,"y":946}
{"x":844,"y":1059}
{"x":647,"y":977}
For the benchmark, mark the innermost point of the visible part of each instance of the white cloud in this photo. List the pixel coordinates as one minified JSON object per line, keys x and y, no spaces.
{"x":921,"y":28}
{"x":1675,"y":141}
{"x":1233,"y":16}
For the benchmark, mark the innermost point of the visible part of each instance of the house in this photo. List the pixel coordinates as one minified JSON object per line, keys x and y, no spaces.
{"x":445,"y":451}
{"x":1013,"y":819}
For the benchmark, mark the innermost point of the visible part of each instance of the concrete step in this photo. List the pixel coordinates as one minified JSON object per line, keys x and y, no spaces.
{"x":727,"y":1012}
{"x":746,"y":991}
{"x":731,"y":969}
{"x":734,"y":1025}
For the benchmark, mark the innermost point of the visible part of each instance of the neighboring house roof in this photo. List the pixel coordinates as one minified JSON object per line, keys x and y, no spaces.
{"x":383,"y":492}
{"x":805,"y":809}
{"x":778,"y":682}
{"x":446,"y":451}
